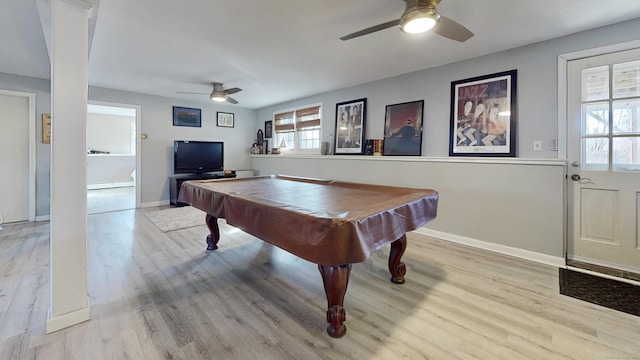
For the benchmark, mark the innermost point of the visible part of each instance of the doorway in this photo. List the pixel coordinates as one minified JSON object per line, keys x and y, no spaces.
{"x":112,"y":160}
{"x":603,"y":152}
{"x":17,"y":144}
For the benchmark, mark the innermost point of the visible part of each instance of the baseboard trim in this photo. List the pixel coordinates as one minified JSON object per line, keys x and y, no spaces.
{"x":603,"y":275}
{"x":498,"y":248}
{"x":602,"y":266}
{"x":143,"y":205}
{"x":110,"y":185}
{"x":69,"y":319}
{"x":154,"y":204}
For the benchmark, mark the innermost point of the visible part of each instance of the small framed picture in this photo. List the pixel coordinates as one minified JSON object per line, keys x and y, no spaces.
{"x":483,"y":116}
{"x":403,"y":129}
{"x":46,"y":128}
{"x":225,"y":119}
{"x":350,"y":120}
{"x":268,"y":129}
{"x":187,"y":117}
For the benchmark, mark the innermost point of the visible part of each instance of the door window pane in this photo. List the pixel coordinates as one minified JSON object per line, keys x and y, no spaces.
{"x":626,"y":153}
{"x":595,"y":154}
{"x":595,"y":118}
{"x":626,"y":79}
{"x":595,"y":83}
{"x":625,"y":117}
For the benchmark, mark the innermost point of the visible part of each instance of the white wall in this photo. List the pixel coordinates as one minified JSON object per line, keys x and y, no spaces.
{"x":106,"y":170}
{"x":111,"y":133}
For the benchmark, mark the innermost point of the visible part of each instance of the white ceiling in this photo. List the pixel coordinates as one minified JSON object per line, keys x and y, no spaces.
{"x":280,"y":50}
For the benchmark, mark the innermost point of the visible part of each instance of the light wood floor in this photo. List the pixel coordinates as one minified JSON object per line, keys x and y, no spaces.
{"x":159,"y":295}
{"x":111,"y":199}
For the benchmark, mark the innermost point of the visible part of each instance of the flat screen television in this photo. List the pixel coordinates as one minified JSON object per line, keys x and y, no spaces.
{"x":197,"y":157}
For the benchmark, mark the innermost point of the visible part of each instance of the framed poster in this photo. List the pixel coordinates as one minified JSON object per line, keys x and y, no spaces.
{"x":268,"y":129}
{"x":224,"y":119}
{"x":350,"y":120}
{"x":403,"y":129}
{"x":187,"y":116}
{"x":483,"y":116}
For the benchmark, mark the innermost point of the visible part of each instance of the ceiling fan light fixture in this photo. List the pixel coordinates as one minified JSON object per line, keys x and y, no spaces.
{"x":419,"y":19}
{"x":218,"y":96}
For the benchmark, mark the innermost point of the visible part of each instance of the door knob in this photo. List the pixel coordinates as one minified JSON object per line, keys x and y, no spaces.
{"x":581,"y":180}
{"x":575,"y":164}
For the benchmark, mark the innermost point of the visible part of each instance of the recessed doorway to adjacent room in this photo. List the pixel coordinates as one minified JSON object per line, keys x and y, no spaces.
{"x":112,"y":158}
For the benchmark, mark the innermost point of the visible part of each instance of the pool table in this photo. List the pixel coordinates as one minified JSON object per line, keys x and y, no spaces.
{"x":330,"y":223}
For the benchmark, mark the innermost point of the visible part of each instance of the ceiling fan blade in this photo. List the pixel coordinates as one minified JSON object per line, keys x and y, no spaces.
{"x":191,"y":93}
{"x":233,"y":90}
{"x":231,"y":100}
{"x":370,"y":30}
{"x":452,"y":30}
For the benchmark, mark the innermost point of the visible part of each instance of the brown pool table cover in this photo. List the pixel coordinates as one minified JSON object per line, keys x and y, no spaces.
{"x":323,"y":221}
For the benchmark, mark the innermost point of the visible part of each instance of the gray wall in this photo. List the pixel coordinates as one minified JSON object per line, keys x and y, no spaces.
{"x":511,"y":205}
{"x":156,"y":151}
{"x":537,"y":120}
{"x":518,"y":204}
{"x":537,"y":91}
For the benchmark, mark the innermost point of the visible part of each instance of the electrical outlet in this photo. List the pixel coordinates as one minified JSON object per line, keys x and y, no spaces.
{"x":537,"y":145}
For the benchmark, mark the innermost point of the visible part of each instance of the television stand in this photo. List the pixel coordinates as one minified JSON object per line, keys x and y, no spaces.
{"x":175,"y":182}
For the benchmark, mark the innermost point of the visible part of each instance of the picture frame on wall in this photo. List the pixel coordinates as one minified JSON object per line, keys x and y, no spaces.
{"x":225,"y":119}
{"x":46,"y":128}
{"x":403,"y":129}
{"x":183,"y":116}
{"x":268,"y":129}
{"x":349,"y":127}
{"x":483,"y":116}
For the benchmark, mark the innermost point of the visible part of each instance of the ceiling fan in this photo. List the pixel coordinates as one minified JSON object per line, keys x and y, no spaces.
{"x":420,"y":16}
{"x":219,"y":93}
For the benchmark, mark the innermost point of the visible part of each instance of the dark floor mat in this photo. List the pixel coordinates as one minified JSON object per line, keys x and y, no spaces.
{"x":602,"y":291}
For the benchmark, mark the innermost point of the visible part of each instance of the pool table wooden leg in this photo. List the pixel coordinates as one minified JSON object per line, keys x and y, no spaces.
{"x":396,"y":266}
{"x":336,"y":279}
{"x":214,"y":235}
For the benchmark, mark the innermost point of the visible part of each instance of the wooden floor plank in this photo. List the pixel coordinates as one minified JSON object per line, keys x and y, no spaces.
{"x":157,"y":295}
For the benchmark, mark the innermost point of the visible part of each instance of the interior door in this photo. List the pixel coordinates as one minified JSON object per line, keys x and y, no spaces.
{"x":14,"y":158}
{"x":604,"y":160}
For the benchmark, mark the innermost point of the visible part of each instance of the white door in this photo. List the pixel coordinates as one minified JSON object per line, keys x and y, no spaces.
{"x":604,"y":160}
{"x":14,"y":158}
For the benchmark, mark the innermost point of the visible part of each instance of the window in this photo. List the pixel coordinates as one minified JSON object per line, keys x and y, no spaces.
{"x":611,"y":117}
{"x":298,"y":129}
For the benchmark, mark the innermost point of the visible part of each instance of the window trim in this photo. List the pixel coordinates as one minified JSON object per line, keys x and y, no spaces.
{"x":293,"y":110}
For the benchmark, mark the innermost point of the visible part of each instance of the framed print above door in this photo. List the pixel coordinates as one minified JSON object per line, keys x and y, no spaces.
{"x":483,"y":116}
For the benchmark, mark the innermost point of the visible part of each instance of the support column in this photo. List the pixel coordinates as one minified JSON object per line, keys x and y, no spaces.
{"x":69,"y":90}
